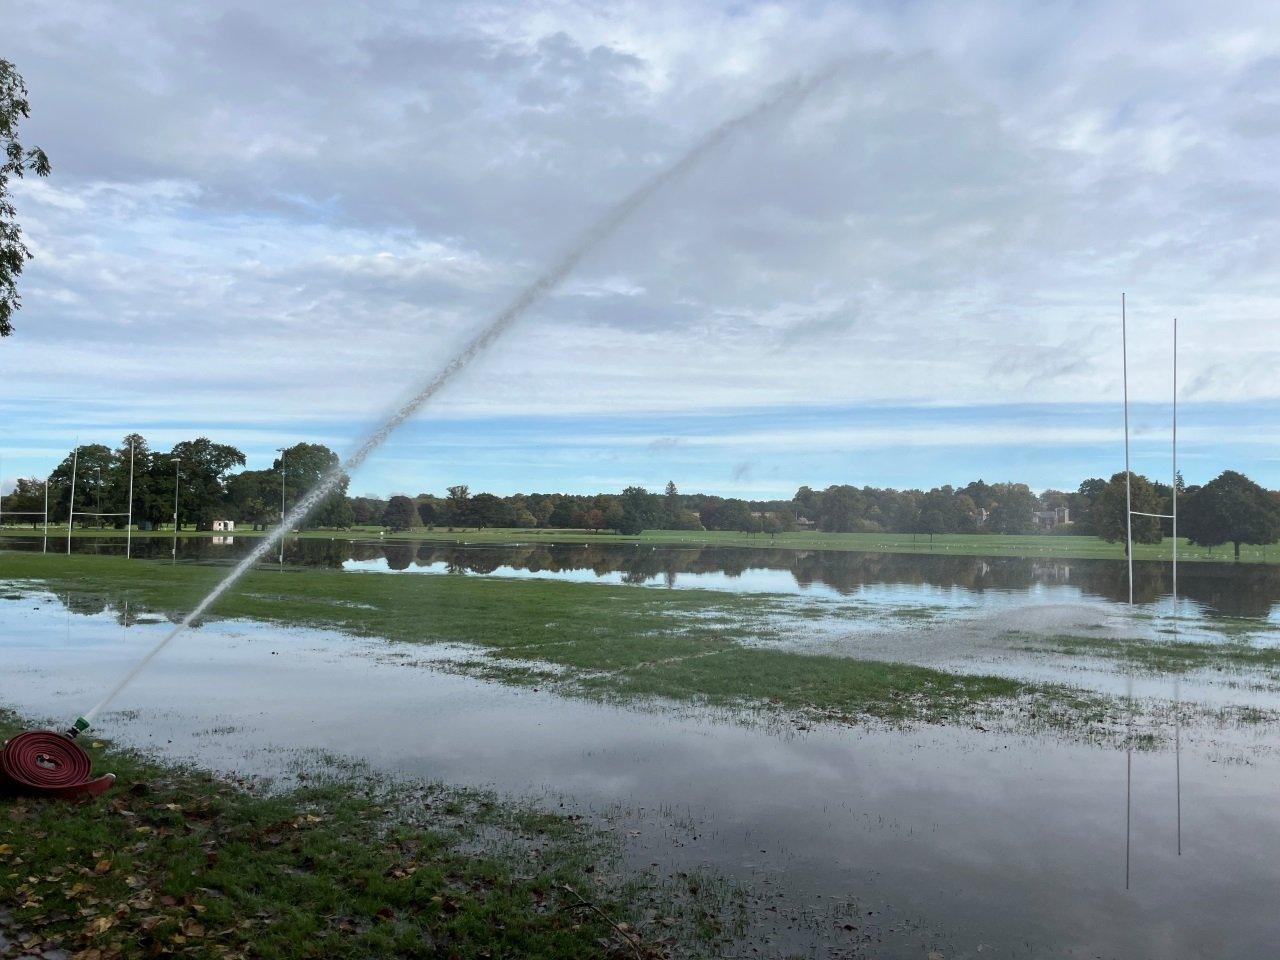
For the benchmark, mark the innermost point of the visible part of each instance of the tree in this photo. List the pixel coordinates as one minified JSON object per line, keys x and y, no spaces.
{"x":17,"y":161}
{"x":641,"y":510}
{"x":458,"y":502}
{"x":1231,"y":509}
{"x":304,"y":465}
{"x":1014,"y":510}
{"x":431,"y":509}
{"x":26,"y":503}
{"x":671,"y":509}
{"x":90,"y":462}
{"x":367,"y":511}
{"x":486,"y":510}
{"x":253,"y":497}
{"x":808,"y":504}
{"x":938,"y":512}
{"x":202,"y":471}
{"x":561,"y":514}
{"x":1084,"y":504}
{"x":840,"y":508}
{"x":401,"y":514}
{"x":736,"y":515}
{"x":1107,"y":516}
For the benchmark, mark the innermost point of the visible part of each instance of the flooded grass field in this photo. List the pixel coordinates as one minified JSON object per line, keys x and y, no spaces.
{"x":754,"y":735}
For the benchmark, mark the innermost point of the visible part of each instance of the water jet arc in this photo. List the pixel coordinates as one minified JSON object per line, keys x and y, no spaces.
{"x":785,"y":98}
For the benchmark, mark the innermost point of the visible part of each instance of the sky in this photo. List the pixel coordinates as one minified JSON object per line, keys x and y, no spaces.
{"x":267,"y":222}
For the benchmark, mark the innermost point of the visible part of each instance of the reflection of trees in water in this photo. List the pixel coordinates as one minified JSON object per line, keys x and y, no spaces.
{"x":82,"y":603}
{"x":88,"y":605}
{"x":399,"y":553}
{"x":1246,"y":590}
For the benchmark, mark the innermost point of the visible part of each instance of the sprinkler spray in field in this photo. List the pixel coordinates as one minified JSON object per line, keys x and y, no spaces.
{"x":787,"y":98}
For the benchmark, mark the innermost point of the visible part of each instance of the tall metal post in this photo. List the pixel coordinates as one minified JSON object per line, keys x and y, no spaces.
{"x":44,"y":547}
{"x":280,"y":450}
{"x":176,"y":461}
{"x":128,"y":523}
{"x":1128,"y":486}
{"x":1175,"y":466}
{"x":71,"y":504}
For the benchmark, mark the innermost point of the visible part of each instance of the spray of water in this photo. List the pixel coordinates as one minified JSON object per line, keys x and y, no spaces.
{"x":786,"y":98}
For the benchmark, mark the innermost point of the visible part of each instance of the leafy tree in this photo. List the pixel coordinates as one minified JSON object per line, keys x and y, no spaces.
{"x":304,"y":464}
{"x":641,"y":511}
{"x":431,"y":510}
{"x":26,"y":500}
{"x":92,"y":462}
{"x":561,"y":515}
{"x":402,"y":514}
{"x":1230,"y":509}
{"x":203,"y":470}
{"x":17,"y":161}
{"x":1107,"y":516}
{"x":671,"y":507}
{"x":458,"y":502}
{"x":982,"y":494}
{"x":736,"y":515}
{"x":254,"y":497}
{"x":1014,"y":510}
{"x":368,"y":511}
{"x":839,"y":509}
{"x":1084,"y":504}
{"x":939,"y":512}
{"x":486,"y":510}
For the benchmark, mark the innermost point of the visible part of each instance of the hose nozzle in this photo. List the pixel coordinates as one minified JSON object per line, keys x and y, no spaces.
{"x":77,"y":728}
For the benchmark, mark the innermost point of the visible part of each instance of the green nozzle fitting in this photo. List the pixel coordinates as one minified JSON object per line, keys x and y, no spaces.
{"x":77,"y":728}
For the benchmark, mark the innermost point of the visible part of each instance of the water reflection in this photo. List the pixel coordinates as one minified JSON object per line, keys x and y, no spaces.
{"x":1237,"y":590}
{"x":879,"y":841}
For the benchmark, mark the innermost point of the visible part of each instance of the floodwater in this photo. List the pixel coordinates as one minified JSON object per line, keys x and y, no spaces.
{"x":851,"y":841}
{"x":932,"y":579}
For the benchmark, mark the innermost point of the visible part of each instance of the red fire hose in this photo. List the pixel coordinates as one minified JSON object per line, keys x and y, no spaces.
{"x":48,"y":764}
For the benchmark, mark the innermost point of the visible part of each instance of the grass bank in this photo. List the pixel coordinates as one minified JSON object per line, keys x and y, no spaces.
{"x":173,"y":861}
{"x":588,"y":639}
{"x":967,"y":545}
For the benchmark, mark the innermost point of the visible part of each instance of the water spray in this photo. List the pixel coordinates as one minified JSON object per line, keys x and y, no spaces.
{"x":785,"y":98}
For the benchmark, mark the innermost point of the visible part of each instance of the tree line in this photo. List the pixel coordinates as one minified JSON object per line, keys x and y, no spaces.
{"x":195,"y":478}
{"x":1229,"y":509}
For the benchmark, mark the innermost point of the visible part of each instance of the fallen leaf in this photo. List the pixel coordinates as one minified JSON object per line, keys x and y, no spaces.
{"x":101,"y":925}
{"x":102,"y":867}
{"x":192,"y":928}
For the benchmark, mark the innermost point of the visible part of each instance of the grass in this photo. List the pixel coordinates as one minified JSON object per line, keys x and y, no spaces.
{"x":1165,"y":656}
{"x":598,"y":640}
{"x":174,"y":861}
{"x":987,"y":545}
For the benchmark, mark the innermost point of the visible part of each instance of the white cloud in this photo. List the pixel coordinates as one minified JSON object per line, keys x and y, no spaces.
{"x":282,"y":215}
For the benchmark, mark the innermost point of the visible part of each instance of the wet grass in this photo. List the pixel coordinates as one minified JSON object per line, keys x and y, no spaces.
{"x":1163,"y":656}
{"x":600,"y":640}
{"x":173,"y":861}
{"x":949,"y":544}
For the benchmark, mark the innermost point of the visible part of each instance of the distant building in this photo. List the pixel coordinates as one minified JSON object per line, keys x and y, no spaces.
{"x":1048,"y":519}
{"x":804,"y":523}
{"x":224,"y":525}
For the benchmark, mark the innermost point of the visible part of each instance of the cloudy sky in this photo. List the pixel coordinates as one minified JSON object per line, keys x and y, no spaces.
{"x":267,"y":221}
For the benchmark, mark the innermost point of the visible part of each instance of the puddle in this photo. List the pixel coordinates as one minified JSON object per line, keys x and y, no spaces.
{"x":934,"y":839}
